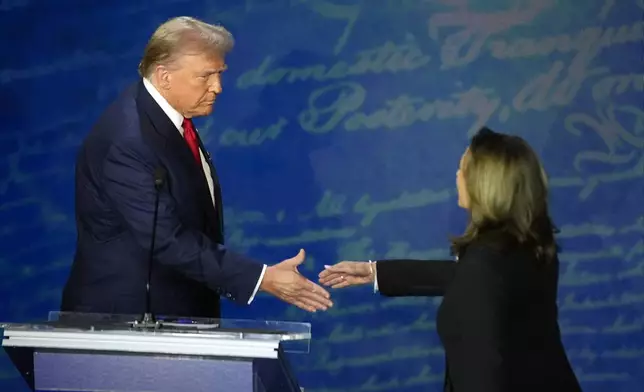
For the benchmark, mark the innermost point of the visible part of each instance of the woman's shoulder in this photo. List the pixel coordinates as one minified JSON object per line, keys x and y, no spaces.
{"x":499,"y":249}
{"x":497,"y":241}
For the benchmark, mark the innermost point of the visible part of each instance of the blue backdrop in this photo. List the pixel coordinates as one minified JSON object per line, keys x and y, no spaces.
{"x":340,"y":130}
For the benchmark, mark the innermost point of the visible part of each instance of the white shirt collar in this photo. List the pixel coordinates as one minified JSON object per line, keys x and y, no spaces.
{"x":173,"y":115}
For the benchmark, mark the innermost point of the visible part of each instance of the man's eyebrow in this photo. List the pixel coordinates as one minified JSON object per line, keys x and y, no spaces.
{"x":215,"y":70}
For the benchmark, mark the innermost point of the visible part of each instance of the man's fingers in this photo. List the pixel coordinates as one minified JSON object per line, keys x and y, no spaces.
{"x":316,"y":299}
{"x":314,"y":293}
{"x":293,"y":288}
{"x":304,"y":303}
{"x":317,"y":303}
{"x":307,"y":285}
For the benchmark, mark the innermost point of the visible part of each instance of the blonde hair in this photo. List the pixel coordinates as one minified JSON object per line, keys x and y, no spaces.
{"x":508,"y":190}
{"x":183,"y":35}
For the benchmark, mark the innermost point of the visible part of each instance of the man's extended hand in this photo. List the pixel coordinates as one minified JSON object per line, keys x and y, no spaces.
{"x":286,"y":283}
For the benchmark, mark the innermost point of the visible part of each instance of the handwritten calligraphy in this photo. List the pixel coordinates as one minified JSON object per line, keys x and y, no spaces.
{"x":257,"y":136}
{"x":612,"y":133}
{"x":541,"y":93}
{"x":466,"y":46}
{"x":333,"y":204}
{"x":404,"y":201}
{"x":238,"y":238}
{"x":613,"y":86}
{"x":572,"y":302}
{"x":386,"y":58}
{"x":338,"y":104}
{"x":396,"y":354}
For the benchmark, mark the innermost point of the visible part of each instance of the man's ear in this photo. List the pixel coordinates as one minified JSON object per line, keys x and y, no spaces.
{"x":163,"y":77}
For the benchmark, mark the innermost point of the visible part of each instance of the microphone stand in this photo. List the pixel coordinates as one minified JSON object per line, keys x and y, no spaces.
{"x":148,"y":320}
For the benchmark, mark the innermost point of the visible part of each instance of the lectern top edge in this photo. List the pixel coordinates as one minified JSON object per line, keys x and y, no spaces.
{"x":86,"y":331}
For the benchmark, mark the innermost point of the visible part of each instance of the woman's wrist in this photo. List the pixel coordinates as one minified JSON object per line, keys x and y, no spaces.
{"x":372,"y":271}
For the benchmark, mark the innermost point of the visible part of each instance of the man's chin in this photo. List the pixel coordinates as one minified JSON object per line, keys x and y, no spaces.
{"x":203,"y":111}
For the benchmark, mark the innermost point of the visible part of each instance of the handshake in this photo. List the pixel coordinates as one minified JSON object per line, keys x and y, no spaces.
{"x":284,"y":281}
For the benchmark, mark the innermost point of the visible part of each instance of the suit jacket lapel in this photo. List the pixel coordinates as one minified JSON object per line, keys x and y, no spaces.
{"x":165,"y":128}
{"x":219,"y":206}
{"x":171,"y":144}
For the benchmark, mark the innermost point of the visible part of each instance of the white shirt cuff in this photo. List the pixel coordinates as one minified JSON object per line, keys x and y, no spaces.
{"x":375,"y":278}
{"x":259,"y":282}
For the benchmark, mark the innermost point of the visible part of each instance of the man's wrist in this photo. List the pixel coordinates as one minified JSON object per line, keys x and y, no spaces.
{"x":259,"y":283}
{"x":267,"y":279}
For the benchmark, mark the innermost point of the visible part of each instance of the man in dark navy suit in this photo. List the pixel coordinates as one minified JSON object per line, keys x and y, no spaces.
{"x":145,"y":146}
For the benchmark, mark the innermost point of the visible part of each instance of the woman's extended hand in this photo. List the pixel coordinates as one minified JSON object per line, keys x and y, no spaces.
{"x":348,"y":273}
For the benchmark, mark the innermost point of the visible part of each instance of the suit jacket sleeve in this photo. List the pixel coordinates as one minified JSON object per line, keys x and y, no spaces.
{"x":479,"y":300}
{"x":414,"y":277}
{"x":128,"y":181}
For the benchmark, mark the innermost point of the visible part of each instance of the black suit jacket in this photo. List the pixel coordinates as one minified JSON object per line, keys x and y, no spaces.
{"x":115,"y":198}
{"x":498,"y":318}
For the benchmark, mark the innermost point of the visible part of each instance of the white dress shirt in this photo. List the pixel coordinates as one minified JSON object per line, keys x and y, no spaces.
{"x":177,"y":120}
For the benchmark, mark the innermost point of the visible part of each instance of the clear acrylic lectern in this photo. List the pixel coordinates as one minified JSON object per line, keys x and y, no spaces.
{"x":99,"y":352}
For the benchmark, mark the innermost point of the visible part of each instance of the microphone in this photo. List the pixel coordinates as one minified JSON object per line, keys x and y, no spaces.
{"x":148,"y":317}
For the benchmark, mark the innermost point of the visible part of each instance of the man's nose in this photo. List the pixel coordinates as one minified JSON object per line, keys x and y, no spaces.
{"x":215,"y":87}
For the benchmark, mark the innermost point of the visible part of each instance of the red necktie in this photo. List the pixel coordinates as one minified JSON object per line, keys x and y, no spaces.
{"x":191,"y":138}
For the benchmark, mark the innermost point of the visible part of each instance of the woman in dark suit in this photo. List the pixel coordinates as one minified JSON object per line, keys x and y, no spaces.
{"x":498,"y":318}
